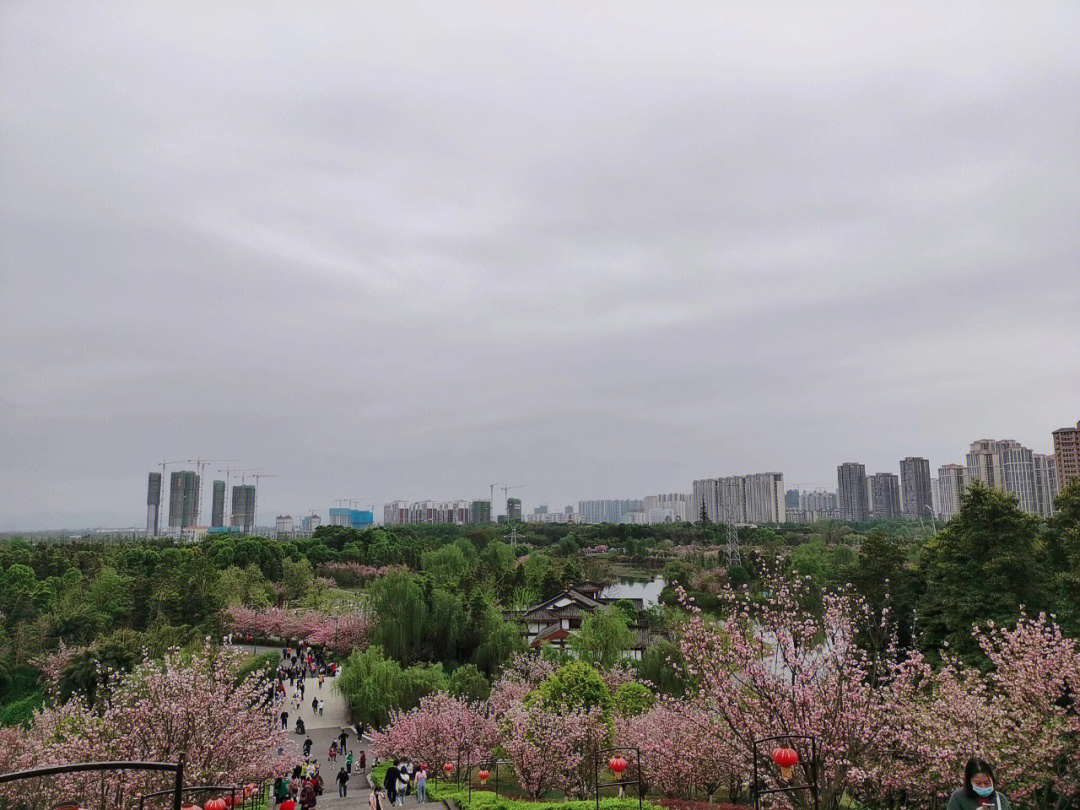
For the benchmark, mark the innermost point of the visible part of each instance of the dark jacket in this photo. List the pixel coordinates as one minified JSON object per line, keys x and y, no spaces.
{"x":391,"y":780}
{"x":961,"y":801}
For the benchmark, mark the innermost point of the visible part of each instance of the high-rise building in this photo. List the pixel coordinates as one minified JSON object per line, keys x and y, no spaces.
{"x":1046,"y":483}
{"x":541,"y":509}
{"x":183,"y":499}
{"x":283,"y":526}
{"x":755,"y":498}
{"x":242,"y":514}
{"x":607,"y":510}
{"x":918,"y":497}
{"x":513,"y":508}
{"x":669,"y":507}
{"x":1067,"y":455}
{"x":351,"y":518}
{"x":1007,"y":466}
{"x":886,"y":496}
{"x":952,"y":484}
{"x":481,"y":512}
{"x":851,"y":491}
{"x":153,"y":504}
{"x":309,"y":523}
{"x":217,"y":505}
{"x":791,"y":499}
{"x":569,"y":509}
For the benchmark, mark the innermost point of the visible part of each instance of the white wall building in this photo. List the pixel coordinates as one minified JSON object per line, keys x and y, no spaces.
{"x":755,"y":498}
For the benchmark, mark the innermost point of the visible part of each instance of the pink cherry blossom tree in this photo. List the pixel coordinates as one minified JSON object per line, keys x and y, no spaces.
{"x":773,"y":668}
{"x":440,"y":729}
{"x":340,"y":633}
{"x":181,"y":705}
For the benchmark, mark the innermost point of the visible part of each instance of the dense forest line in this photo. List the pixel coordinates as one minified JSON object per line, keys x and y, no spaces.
{"x":439,"y":595}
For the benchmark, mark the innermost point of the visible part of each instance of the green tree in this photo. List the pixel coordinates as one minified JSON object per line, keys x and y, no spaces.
{"x":979,"y":568}
{"x":661,"y":666}
{"x":602,"y":638}
{"x":398,"y":604}
{"x":371,"y":684}
{"x":576,"y":685}
{"x":468,"y":682}
{"x":502,"y":640}
{"x":632,"y":699}
{"x":447,"y":622}
{"x":1063,"y":558}
{"x":296,"y":576}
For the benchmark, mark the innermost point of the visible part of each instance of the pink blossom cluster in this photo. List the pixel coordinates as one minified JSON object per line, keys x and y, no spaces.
{"x":180,"y":705}
{"x":341,"y":633}
{"x":441,"y":729}
{"x":354,"y":573}
{"x":52,"y":664}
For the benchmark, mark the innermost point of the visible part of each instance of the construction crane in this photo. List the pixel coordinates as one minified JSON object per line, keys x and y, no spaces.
{"x":201,"y":464}
{"x":255,"y":506}
{"x":506,"y":498}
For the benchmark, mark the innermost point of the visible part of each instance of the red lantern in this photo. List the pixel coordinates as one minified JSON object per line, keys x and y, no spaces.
{"x":786,"y":759}
{"x":483,"y":777}
{"x":617,"y":765}
{"x":190,"y":807}
{"x":216,"y":804}
{"x":228,"y":801}
{"x":288,"y":804}
{"x":448,"y":768}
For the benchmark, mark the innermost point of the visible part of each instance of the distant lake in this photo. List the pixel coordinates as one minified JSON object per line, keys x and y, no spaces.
{"x":647,"y":590}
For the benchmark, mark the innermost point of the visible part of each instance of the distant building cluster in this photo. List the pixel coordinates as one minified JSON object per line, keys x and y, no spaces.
{"x":1005,"y":465}
{"x":755,"y":498}
{"x":400,"y":513}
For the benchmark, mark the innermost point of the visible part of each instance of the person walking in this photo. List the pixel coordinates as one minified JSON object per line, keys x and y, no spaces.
{"x":390,"y":782}
{"x":343,"y":738}
{"x":363,"y":761}
{"x":348,"y":762}
{"x":979,"y":789}
{"x":307,"y":796}
{"x":342,"y":783}
{"x":332,"y":753}
{"x":403,"y":787}
{"x":421,"y":785}
{"x":322,"y":705}
{"x":307,"y":747}
{"x":285,"y":720}
{"x":314,"y":705}
{"x":408,"y":771}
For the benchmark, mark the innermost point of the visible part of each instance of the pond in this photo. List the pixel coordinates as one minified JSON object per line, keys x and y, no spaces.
{"x":645,"y":589}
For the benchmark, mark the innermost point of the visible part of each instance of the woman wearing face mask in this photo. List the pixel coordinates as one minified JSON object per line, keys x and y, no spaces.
{"x":978,"y":790}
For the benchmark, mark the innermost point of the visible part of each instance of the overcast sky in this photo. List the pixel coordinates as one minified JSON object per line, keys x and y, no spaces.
{"x":598,"y":250}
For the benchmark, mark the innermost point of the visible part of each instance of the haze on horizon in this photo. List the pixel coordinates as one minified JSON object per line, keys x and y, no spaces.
{"x":389,"y":251}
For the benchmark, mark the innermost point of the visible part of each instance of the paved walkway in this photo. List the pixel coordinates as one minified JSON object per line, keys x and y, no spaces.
{"x":322,"y":729}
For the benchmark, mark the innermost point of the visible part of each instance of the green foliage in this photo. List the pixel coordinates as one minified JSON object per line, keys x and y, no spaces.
{"x":469,"y":683}
{"x":398,"y":603}
{"x":371,"y":684}
{"x":1063,"y":559}
{"x":655,"y":668}
{"x":264,"y":662}
{"x":576,"y":685}
{"x":632,"y":699}
{"x":603,"y":638}
{"x":488,"y":800}
{"x":979,"y":568}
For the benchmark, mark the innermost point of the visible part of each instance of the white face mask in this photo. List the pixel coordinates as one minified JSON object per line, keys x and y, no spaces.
{"x":983,"y":791}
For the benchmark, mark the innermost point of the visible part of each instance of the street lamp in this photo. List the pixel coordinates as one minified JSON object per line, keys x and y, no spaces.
{"x":926,"y":506}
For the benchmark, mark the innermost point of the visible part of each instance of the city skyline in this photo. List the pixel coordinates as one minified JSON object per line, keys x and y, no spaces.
{"x":404,"y":252}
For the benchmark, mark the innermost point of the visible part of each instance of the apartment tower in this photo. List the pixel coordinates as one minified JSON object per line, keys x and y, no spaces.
{"x":851,"y":491}
{"x":1067,"y":455}
{"x":917,"y":499}
{"x":183,"y":499}
{"x":153,"y":504}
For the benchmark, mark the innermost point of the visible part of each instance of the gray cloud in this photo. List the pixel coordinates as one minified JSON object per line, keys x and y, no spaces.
{"x":389,"y":251}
